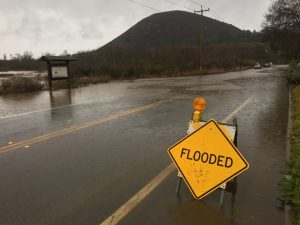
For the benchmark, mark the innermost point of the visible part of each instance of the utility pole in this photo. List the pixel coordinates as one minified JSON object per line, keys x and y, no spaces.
{"x":201,"y":34}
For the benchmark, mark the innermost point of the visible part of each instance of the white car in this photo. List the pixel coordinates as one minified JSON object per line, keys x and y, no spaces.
{"x":257,"y":66}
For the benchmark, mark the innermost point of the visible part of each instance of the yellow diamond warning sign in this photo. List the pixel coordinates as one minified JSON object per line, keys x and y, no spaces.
{"x":207,"y":159}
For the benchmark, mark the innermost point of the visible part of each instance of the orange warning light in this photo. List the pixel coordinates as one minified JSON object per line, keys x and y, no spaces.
{"x":199,"y":104}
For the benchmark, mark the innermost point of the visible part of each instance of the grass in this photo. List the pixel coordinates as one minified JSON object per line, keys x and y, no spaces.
{"x":290,"y":184}
{"x":20,"y":85}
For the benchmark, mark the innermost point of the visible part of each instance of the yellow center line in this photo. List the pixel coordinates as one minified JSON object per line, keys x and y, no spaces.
{"x":128,"y":206}
{"x":86,"y":125}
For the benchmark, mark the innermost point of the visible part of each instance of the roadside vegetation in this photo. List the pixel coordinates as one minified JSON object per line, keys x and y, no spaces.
{"x":122,"y":62}
{"x":294,"y":72}
{"x":282,"y":28}
{"x":20,"y":85}
{"x":290,"y":185}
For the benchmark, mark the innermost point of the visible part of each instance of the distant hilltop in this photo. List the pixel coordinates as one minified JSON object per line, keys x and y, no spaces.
{"x":180,"y":28}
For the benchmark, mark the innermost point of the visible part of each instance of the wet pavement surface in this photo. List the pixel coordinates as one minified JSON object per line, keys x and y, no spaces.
{"x":83,"y":176}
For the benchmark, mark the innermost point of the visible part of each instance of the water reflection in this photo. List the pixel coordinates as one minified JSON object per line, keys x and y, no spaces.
{"x":198,"y":212}
{"x":231,"y":187}
{"x":219,"y":208}
{"x":60,"y":98}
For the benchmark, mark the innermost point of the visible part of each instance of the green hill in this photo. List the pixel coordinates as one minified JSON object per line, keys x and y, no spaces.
{"x":168,"y":43}
{"x":180,"y":28}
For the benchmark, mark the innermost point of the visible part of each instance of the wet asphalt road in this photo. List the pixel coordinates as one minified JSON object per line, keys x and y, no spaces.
{"x":83,"y":175}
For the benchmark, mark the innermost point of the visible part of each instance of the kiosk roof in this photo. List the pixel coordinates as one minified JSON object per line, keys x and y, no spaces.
{"x":57,"y":58}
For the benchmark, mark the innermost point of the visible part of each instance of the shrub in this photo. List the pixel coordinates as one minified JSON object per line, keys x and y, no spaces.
{"x":294,"y":72}
{"x":20,"y":85}
{"x":290,"y":184}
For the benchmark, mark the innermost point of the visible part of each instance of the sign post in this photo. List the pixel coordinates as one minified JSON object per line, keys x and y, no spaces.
{"x":208,"y":158}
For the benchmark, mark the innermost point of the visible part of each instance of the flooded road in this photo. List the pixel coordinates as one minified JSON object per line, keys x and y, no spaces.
{"x":75,"y":157}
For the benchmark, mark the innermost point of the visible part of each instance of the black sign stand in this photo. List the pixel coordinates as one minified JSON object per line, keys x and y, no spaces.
{"x":231,"y":185}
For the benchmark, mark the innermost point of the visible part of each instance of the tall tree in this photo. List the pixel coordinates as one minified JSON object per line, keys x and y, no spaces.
{"x":282,"y":27}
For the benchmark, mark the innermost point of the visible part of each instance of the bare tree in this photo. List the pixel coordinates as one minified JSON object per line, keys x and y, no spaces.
{"x":27,"y":56}
{"x":282,"y":26}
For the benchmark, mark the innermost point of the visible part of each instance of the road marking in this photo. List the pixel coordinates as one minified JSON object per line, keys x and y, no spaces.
{"x":63,"y":106}
{"x":138,"y":197}
{"x":120,"y":213}
{"x":86,"y":125}
{"x":227,"y":118}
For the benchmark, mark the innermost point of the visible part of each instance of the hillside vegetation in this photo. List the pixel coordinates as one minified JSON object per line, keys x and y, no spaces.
{"x":168,"y":43}
{"x":120,"y":61}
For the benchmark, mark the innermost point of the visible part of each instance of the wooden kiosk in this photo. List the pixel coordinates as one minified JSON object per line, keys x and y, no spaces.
{"x":58,"y":68}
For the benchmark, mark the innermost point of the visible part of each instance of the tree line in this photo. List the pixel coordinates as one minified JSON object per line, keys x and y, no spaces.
{"x":121,"y":61}
{"x":24,"y":61}
{"x":281,"y":27}
{"x":126,"y":62}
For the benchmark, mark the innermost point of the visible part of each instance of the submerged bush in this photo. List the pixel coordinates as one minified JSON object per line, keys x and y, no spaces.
{"x":20,"y":85}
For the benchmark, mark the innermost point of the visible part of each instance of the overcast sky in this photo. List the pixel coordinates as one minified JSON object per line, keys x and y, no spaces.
{"x":41,"y":26}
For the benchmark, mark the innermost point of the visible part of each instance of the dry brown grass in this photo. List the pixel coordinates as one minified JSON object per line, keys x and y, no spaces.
{"x":20,"y":85}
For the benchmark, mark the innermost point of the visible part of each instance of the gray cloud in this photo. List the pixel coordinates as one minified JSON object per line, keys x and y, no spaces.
{"x":43,"y":26}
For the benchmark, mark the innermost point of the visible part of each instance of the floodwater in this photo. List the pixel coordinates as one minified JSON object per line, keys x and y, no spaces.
{"x":14,"y":104}
{"x":84,"y":176}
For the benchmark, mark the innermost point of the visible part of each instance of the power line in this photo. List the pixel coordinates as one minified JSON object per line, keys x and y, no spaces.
{"x":149,"y":7}
{"x":183,"y":6}
{"x":144,"y":5}
{"x":213,"y":12}
{"x":196,"y":3}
